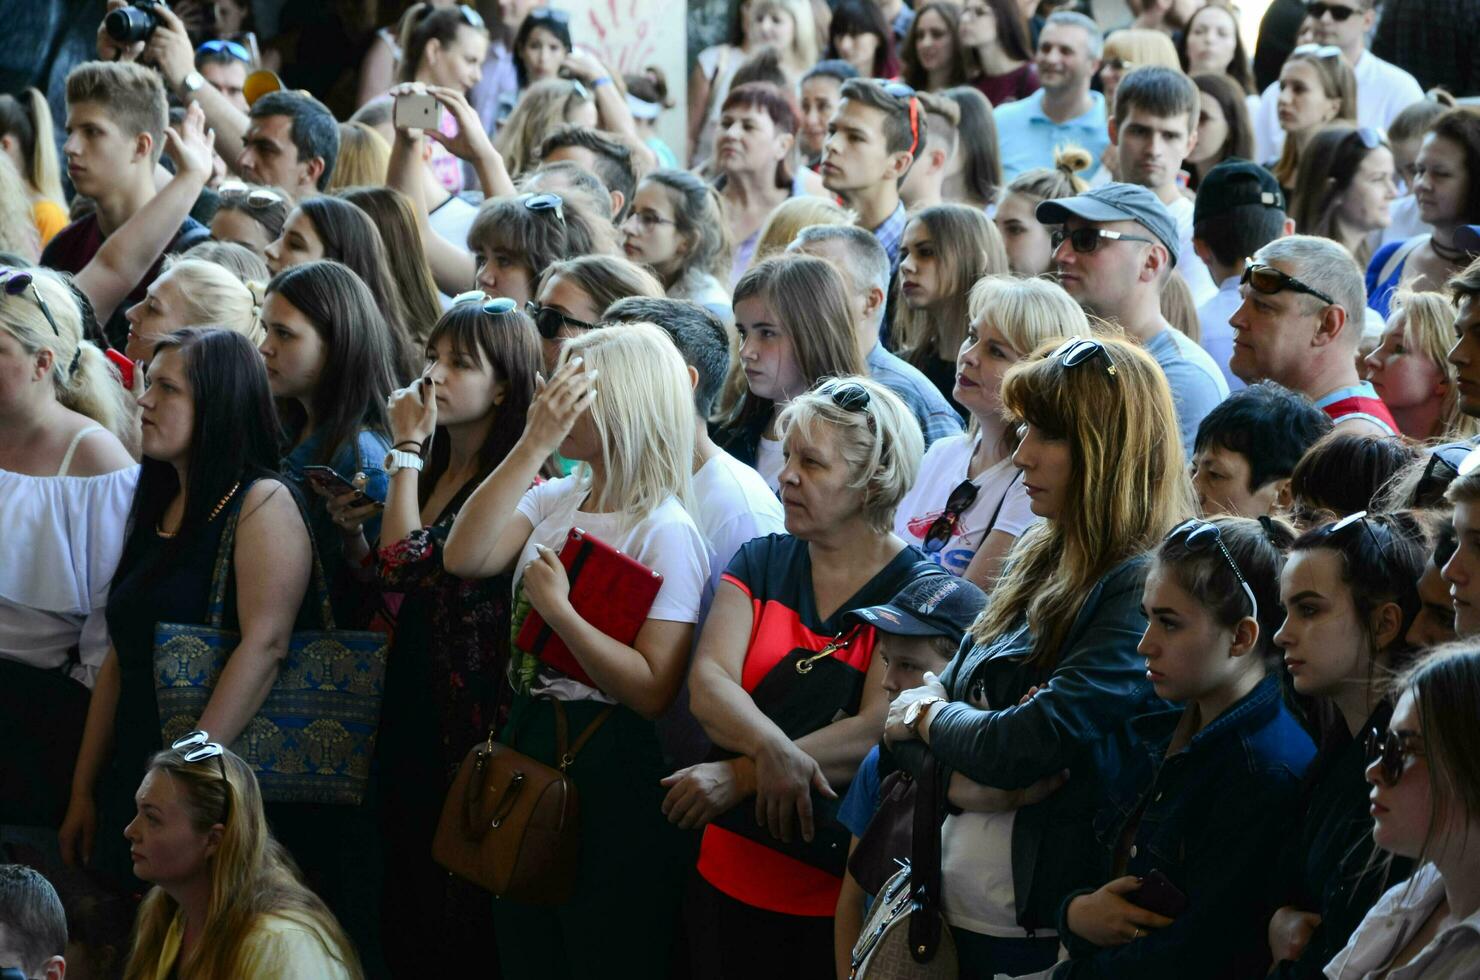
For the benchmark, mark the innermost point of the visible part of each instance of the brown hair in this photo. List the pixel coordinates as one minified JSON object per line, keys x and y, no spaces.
{"x":774,"y":102}
{"x":132,"y":94}
{"x":912,"y":73}
{"x":1338,"y":82}
{"x":394,"y":218}
{"x":967,"y":247}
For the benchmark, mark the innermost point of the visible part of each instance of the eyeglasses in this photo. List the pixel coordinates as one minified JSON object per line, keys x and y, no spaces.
{"x":1390,"y":750}
{"x":549,"y":13}
{"x":548,"y":320}
{"x":196,"y":747}
{"x":1086,"y":240}
{"x":1268,"y":280}
{"x":14,"y":282}
{"x":497,"y":306}
{"x":226,"y":47}
{"x":1338,"y":13}
{"x":1076,"y":350}
{"x":1199,"y":536}
{"x":941,"y":528}
{"x":257,"y":197}
{"x":541,"y":203}
{"x":1319,"y":50}
{"x":850,"y":396}
{"x":650,"y":219}
{"x":902,"y":91}
{"x":1429,"y":491}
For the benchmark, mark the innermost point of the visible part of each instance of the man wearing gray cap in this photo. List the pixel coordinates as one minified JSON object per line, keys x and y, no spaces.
{"x":1115,"y":248}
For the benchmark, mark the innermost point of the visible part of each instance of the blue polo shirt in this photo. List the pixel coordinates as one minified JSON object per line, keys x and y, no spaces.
{"x":1028,"y":137}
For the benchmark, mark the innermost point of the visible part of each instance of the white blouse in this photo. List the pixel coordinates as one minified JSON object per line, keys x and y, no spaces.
{"x":60,"y":541}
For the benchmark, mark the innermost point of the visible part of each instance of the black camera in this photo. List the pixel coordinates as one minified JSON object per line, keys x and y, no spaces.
{"x":135,"y":22}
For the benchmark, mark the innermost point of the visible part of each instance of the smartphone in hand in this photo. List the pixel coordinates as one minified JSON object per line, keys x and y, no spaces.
{"x":1158,"y":894}
{"x":335,"y":484}
{"x":416,"y":110}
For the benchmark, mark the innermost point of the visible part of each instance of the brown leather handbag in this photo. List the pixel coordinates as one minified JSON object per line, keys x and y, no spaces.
{"x":511,"y":823}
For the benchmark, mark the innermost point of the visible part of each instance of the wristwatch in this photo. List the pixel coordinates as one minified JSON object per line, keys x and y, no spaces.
{"x":398,"y":460}
{"x":915,"y":712}
{"x":192,"y":82}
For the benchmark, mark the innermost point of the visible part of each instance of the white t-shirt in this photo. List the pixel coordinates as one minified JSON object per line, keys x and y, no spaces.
{"x":1189,"y":265}
{"x":768,"y":461}
{"x":1383,"y":91}
{"x":665,"y":540}
{"x":732,"y":504}
{"x":1405,"y":223}
{"x":941,"y":471}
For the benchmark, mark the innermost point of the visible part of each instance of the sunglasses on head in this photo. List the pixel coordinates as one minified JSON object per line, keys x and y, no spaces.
{"x":14,"y":282}
{"x":546,"y":204}
{"x":850,"y":396}
{"x":548,"y":320}
{"x":1076,"y":350}
{"x":1086,"y":240}
{"x":1199,"y":536}
{"x":1318,"y":50}
{"x":230,"y":48}
{"x":1119,"y":64}
{"x":1345,"y":528}
{"x":902,"y":91}
{"x":1390,"y":750}
{"x":196,"y":747}
{"x":1441,"y":469}
{"x":1338,"y":13}
{"x":494,"y":307}
{"x":942,"y":527}
{"x":257,"y":197}
{"x":1369,"y":137}
{"x":1268,"y":280}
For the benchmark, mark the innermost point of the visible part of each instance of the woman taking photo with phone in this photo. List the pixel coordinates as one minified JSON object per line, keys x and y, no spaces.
{"x":1205,"y":790}
{"x":450,"y":651}
{"x":1065,"y":618}
{"x":1350,"y":591}
{"x":621,"y":404}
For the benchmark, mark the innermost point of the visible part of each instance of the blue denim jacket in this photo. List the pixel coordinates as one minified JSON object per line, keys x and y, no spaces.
{"x":1211,"y":819}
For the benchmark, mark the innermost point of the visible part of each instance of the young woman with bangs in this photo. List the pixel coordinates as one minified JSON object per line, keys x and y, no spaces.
{"x":621,"y":404}
{"x":1062,"y":624}
{"x":514,"y":239}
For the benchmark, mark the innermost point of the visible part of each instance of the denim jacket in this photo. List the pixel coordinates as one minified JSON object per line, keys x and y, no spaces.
{"x":1211,"y":818}
{"x":1098,"y":684}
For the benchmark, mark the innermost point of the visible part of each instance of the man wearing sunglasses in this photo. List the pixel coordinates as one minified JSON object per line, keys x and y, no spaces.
{"x":1300,"y":324}
{"x":1114,"y":249}
{"x":1064,"y":110}
{"x":1383,"y":89}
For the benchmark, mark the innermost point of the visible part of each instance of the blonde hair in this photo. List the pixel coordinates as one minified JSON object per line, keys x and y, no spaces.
{"x":1430,"y":329}
{"x":81,"y":376}
{"x":790,"y":217}
{"x":1028,"y":313}
{"x":884,"y":461}
{"x":644,"y":417}
{"x":804,"y":51}
{"x":251,"y":876}
{"x":542,"y":107}
{"x":1128,"y":485}
{"x":1179,"y":308}
{"x":1141,"y":47}
{"x":1337,"y":82}
{"x":214,"y":296}
{"x":17,"y":228}
{"x":364,"y":158}
{"x":967,"y":247}
{"x":1061,"y":180}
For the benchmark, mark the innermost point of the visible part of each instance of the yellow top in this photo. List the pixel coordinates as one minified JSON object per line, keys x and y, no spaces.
{"x":50,"y":218}
{"x":278,"y":949}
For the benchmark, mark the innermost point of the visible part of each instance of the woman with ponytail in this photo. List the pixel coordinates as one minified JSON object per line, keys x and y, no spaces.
{"x":193,"y":293}
{"x":26,"y":137}
{"x":66,"y":481}
{"x":1029,"y":248}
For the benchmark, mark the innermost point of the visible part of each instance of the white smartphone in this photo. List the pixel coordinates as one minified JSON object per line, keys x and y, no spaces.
{"x":416,"y":110}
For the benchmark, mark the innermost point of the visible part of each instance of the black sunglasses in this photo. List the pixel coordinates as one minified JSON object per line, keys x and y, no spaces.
{"x":1441,"y":469}
{"x":540,"y":203}
{"x":1338,"y":13}
{"x":14,"y":282}
{"x":1268,"y":280}
{"x":1076,"y":350}
{"x":548,"y":320}
{"x":941,"y":528}
{"x":1086,"y":240}
{"x":850,"y":396}
{"x":902,"y":91}
{"x":1199,"y":536}
{"x":196,"y":747}
{"x":1390,"y":750}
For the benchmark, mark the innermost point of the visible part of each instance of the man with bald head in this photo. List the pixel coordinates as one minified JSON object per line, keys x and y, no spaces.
{"x":1300,"y":324}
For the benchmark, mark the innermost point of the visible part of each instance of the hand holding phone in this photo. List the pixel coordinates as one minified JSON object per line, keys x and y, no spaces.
{"x":1158,"y":894}
{"x":416,"y":110}
{"x":329,"y":483}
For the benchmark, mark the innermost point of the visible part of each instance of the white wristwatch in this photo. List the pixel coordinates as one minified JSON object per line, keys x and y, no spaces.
{"x":398,"y":460}
{"x":192,"y":82}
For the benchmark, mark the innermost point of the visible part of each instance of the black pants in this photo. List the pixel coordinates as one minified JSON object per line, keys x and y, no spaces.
{"x":734,"y":941}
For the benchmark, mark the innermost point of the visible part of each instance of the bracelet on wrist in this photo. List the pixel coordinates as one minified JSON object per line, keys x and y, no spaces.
{"x":415,"y":443}
{"x":603,"y":80}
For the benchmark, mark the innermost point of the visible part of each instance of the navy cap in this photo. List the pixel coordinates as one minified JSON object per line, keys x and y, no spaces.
{"x":932,"y":605}
{"x":1116,"y":202}
{"x":1467,"y":237}
{"x":1232,"y":184}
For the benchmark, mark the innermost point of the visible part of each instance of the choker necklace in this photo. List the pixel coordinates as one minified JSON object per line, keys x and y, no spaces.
{"x":1448,"y":253}
{"x":215,"y":512}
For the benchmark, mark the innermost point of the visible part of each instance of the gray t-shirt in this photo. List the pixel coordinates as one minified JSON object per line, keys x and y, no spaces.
{"x":1197,"y":384}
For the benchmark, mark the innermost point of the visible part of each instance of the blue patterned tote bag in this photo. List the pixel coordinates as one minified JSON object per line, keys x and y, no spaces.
{"x":313,"y":739}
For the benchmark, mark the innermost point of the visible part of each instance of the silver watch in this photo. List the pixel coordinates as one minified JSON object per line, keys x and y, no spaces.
{"x":193,"y":82}
{"x":399,"y":460}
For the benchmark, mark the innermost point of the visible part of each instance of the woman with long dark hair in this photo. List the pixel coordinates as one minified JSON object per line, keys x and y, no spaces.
{"x":1000,"y":50}
{"x":933,"y":56}
{"x":859,"y":35}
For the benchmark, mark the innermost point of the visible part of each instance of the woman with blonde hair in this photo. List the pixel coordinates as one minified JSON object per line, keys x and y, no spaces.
{"x":227,"y":901}
{"x":194,"y":293}
{"x":1411,"y":370}
{"x":790,"y":217}
{"x":542,"y":107}
{"x":621,"y":404}
{"x":364,"y":158}
{"x":945,"y":249}
{"x":969,"y":504}
{"x":1067,"y":607}
{"x":1133,"y":47}
{"x":1026,"y":239}
{"x":26,"y":138}
{"x":794,"y":325}
{"x":1316,"y":87}
{"x":236,"y":259}
{"x":18,"y":236}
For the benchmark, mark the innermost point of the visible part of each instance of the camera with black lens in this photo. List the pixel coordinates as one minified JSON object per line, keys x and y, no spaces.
{"x":136,"y":22}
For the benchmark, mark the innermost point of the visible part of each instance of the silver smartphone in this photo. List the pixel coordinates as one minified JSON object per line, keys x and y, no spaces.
{"x":416,"y":110}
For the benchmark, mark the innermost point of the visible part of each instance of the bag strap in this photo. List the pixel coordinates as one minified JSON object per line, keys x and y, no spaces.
{"x":925,"y":878}
{"x":566,"y":756}
{"x":216,"y":611}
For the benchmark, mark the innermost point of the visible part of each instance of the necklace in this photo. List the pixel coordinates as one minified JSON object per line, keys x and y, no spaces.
{"x":215,"y":512}
{"x":1446,"y":252}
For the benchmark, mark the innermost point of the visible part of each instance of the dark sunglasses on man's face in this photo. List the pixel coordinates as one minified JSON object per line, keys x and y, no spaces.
{"x":1315,"y":11}
{"x":1268,"y":280}
{"x":1086,"y":240}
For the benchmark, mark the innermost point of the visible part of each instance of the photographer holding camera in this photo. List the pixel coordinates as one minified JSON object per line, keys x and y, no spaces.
{"x":33,"y":926}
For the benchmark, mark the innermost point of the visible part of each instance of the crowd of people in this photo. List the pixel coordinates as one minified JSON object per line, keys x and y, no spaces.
{"x":1004,"y":396}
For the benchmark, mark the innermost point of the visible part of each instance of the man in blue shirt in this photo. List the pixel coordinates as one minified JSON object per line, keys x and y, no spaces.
{"x":1064,"y":111}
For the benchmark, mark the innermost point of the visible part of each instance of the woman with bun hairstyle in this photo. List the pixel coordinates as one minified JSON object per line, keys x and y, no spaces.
{"x":226,"y":901}
{"x":1207,"y":787}
{"x":679,"y":229}
{"x":1426,"y":808}
{"x":1026,"y":240}
{"x":26,"y":138}
{"x":193,"y":293}
{"x":1062,"y":628}
{"x":1350,"y":591}
{"x":66,"y":483}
